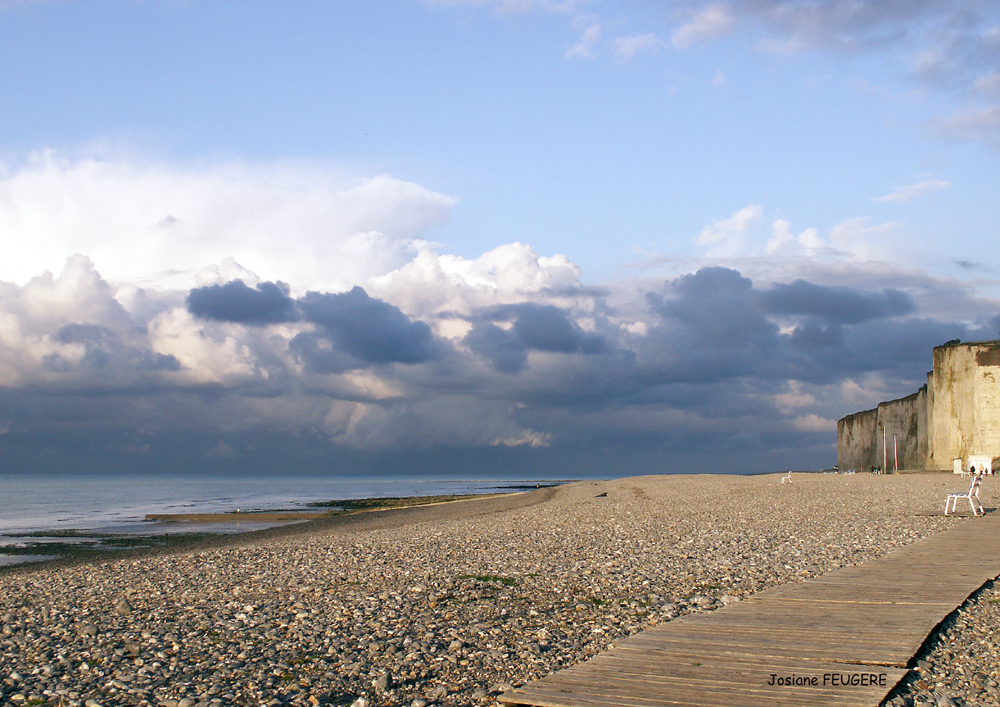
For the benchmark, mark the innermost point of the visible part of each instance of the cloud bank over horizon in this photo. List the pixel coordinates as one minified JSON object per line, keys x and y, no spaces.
{"x":733,"y":359}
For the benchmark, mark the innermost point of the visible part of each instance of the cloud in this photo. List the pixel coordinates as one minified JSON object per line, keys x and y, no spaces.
{"x":70,"y":330}
{"x":988,"y":83}
{"x":269,"y":303}
{"x":534,"y":327}
{"x":815,"y":423}
{"x":972,"y":125}
{"x":726,"y":235}
{"x":508,"y":352}
{"x":585,"y":47}
{"x":370,"y":330}
{"x":351,"y":330}
{"x":502,"y":348}
{"x":836,"y":304}
{"x":783,"y":240}
{"x":945,"y":45}
{"x":158,"y":225}
{"x":627,"y":47}
{"x":710,"y":22}
{"x":853,"y":235}
{"x":525,"y":438}
{"x":914,"y":191}
{"x":852,"y":25}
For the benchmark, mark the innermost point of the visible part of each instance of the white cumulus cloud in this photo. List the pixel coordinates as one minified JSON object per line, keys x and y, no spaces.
{"x":149,"y":223}
{"x":725,"y":236}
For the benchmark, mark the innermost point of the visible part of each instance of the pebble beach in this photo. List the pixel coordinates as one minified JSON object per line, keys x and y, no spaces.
{"x":454,"y":604}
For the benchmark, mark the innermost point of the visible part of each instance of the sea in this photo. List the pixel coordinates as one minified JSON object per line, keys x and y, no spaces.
{"x":117,"y":504}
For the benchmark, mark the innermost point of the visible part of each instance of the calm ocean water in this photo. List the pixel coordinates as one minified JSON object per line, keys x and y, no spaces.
{"x":120,"y":503}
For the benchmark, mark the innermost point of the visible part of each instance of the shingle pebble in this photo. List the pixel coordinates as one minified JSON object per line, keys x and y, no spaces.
{"x":454,"y":611}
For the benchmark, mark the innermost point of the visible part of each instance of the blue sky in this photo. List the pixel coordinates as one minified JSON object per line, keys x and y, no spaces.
{"x":600,"y":212}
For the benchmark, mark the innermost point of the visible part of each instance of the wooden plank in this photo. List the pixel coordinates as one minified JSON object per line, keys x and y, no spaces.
{"x":866,"y":619}
{"x":646,"y":690}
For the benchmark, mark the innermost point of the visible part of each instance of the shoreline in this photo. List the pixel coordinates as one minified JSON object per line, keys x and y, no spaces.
{"x":175,"y":531}
{"x":447,"y":604}
{"x":112,"y":546}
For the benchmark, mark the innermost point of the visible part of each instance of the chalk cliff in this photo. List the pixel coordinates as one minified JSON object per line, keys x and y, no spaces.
{"x":954,"y":417}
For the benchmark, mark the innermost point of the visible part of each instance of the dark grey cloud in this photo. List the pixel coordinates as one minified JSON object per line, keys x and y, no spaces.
{"x":706,"y":364}
{"x":548,"y":328}
{"x":367,"y":329}
{"x":836,"y":304}
{"x":106,"y":349}
{"x":353,"y":330}
{"x":717,"y":308}
{"x":534,"y":327}
{"x":716,"y":326}
{"x":503,"y":348}
{"x":268,"y":303}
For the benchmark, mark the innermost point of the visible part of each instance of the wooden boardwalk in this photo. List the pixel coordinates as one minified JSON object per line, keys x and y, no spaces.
{"x":858,"y":625}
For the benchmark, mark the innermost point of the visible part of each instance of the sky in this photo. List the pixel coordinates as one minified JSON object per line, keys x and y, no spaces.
{"x":477,"y":238}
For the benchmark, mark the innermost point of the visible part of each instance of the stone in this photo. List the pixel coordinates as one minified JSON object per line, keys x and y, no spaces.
{"x":438,"y":693}
{"x":123,"y":607}
{"x":383,"y":682}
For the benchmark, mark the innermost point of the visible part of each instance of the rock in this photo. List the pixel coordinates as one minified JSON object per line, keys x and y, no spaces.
{"x":123,"y":607}
{"x":438,"y":693}
{"x":419,"y":702}
{"x":87,"y":631}
{"x":383,"y":682}
{"x":186,"y":702}
{"x":727,"y":599}
{"x":360,"y":702}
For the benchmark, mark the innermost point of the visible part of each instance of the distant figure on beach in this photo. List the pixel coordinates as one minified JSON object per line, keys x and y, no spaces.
{"x":787,"y":478}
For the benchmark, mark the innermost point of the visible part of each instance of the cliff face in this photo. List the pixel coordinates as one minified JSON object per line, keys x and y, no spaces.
{"x":957,"y":414}
{"x":860,"y":444}
{"x":965,"y":408}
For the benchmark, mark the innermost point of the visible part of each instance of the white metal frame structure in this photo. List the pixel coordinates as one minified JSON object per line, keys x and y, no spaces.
{"x":972,"y":493}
